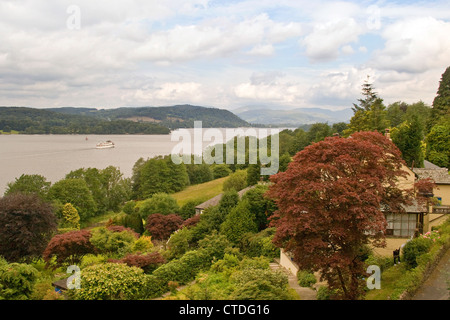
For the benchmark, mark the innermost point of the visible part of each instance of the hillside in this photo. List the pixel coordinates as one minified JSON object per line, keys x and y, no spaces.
{"x":173,"y":117}
{"x":292,"y":117}
{"x":39,"y":121}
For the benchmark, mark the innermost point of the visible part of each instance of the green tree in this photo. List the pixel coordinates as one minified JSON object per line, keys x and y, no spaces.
{"x":369,"y":97}
{"x":220,"y":170}
{"x":239,"y":222}
{"x":253,"y":174}
{"x":236,"y":181}
{"x":259,"y":205}
{"x":395,"y":113}
{"x":438,"y":145}
{"x":28,"y":184}
{"x":408,"y":138}
{"x":441,"y":103}
{"x":372,"y":119}
{"x":162,"y":203}
{"x":71,"y":218}
{"x":76,"y":192}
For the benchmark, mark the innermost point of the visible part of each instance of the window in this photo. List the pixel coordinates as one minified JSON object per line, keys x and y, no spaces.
{"x":401,"y":225}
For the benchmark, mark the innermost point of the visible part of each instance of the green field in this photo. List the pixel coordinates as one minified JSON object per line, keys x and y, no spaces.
{"x":200,"y":192}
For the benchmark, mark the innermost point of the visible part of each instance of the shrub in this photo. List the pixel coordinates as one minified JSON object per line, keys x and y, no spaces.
{"x":188,"y":209}
{"x":148,"y":262}
{"x":161,"y":203}
{"x":306,"y":278}
{"x":323,"y":293}
{"x":162,"y":226}
{"x":220,"y":170}
{"x":414,"y":249}
{"x":143,"y":244}
{"x":260,"y":244}
{"x":92,"y":259}
{"x":111,"y":242}
{"x":17,"y":281}
{"x":260,"y":284}
{"x":69,"y":247}
{"x":70,"y":217}
{"x":191,"y":221}
{"x":110,"y":281}
{"x":134,"y":222}
{"x":184,"y":269}
{"x":129,"y":207}
{"x":236,"y":181}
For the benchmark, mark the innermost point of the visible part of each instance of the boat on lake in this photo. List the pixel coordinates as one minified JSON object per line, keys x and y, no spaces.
{"x":105,"y":145}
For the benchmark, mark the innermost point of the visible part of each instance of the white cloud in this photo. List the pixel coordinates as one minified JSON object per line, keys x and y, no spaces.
{"x":324,"y":42}
{"x":415,"y":46}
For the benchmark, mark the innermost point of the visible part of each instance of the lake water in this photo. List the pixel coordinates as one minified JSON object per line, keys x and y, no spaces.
{"x":53,"y":156}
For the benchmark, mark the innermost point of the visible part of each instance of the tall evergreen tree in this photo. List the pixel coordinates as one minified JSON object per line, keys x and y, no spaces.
{"x":441,"y":103}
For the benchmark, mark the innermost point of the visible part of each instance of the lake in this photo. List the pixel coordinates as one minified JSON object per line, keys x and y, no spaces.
{"x":54,"y":156}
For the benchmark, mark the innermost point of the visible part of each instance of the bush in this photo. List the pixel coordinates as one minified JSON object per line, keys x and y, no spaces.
{"x":69,"y":247}
{"x":111,"y":281}
{"x":260,"y":244}
{"x":305,"y":278}
{"x":414,"y":249}
{"x":161,"y":203}
{"x":111,"y":242}
{"x":323,"y":293}
{"x":148,"y":262}
{"x":260,"y":284}
{"x":143,"y":244}
{"x":220,"y":170}
{"x":162,"y":226}
{"x":17,"y":281}
{"x":236,"y":181}
{"x":134,"y":222}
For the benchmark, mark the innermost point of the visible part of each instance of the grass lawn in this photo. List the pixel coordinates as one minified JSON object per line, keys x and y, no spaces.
{"x":389,"y":280}
{"x":200,"y":192}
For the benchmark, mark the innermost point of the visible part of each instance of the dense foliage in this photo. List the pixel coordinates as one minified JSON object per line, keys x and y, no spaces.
{"x":26,"y":225}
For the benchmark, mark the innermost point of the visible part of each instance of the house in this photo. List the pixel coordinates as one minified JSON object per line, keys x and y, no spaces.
{"x":215,"y":201}
{"x":439,"y":211}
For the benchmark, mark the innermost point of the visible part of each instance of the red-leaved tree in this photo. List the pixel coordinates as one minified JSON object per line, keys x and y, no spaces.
{"x":148,"y":262}
{"x":330,"y":205}
{"x":162,"y":226}
{"x":69,"y":247}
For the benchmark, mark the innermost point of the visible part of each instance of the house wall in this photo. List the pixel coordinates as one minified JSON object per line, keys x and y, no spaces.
{"x":443,"y":191}
{"x":287,"y":263}
{"x":408,"y":181}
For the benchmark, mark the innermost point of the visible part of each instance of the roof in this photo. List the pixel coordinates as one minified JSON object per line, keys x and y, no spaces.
{"x":428,"y":165}
{"x":61,"y":284}
{"x":215,"y":201}
{"x":439,"y":175}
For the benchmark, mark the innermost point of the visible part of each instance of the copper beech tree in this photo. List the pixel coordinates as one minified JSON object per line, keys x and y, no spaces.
{"x":330,"y":205}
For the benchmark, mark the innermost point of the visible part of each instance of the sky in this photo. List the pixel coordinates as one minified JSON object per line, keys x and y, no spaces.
{"x":225,"y":54}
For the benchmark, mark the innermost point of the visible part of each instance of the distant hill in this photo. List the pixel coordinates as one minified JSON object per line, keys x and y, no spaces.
{"x":173,"y":117}
{"x":292,"y":117}
{"x":40,"y":121}
{"x":127,"y":120}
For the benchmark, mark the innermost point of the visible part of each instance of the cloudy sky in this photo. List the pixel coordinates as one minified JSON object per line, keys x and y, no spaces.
{"x":226,"y":54}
